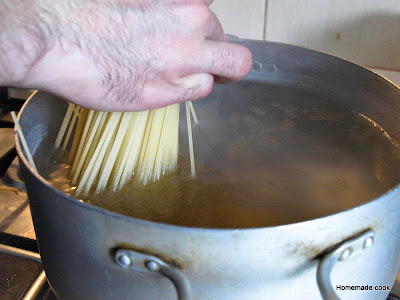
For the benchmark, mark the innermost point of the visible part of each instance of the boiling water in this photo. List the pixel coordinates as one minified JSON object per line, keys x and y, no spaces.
{"x":308,"y":160}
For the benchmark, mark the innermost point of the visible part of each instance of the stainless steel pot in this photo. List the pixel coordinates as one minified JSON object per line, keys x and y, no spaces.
{"x":91,"y":253}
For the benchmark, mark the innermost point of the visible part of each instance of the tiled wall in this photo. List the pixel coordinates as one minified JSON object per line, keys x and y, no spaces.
{"x":364,"y":31}
{"x":244,"y":18}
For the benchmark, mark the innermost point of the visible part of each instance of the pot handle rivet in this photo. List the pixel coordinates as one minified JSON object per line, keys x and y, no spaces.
{"x":149,"y":264}
{"x":271,"y":68}
{"x":341,"y":252}
{"x":152,"y":266}
{"x":256,"y":66}
{"x":368,"y":242}
{"x":124,"y":261}
{"x":345,"y":254}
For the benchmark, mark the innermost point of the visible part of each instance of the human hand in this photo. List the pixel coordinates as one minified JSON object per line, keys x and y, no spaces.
{"x":123,"y":55}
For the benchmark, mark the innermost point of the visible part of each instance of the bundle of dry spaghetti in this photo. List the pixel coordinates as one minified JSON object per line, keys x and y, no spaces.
{"x":109,"y":148}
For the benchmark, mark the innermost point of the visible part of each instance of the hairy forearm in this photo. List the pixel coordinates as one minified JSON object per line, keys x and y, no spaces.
{"x":27,"y":31}
{"x":51,"y":45}
{"x":117,"y":54}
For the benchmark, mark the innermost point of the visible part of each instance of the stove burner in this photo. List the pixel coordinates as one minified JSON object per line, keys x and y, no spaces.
{"x":10,"y":103}
{"x":6,"y":160}
{"x":10,"y":179}
{"x":21,"y":274}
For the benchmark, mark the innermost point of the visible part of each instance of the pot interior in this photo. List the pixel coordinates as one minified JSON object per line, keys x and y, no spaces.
{"x":270,"y":150}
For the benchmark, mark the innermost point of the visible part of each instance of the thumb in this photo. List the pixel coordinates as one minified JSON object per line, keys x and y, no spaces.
{"x":194,"y":86}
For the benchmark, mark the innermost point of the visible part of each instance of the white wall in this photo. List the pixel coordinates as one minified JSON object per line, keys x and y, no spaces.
{"x":244,"y":18}
{"x":364,"y":31}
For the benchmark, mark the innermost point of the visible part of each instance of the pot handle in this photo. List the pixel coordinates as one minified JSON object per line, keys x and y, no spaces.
{"x":338,"y":253}
{"x":149,"y":264}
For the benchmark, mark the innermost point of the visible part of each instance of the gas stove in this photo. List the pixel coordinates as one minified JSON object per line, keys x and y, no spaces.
{"x":21,"y":273}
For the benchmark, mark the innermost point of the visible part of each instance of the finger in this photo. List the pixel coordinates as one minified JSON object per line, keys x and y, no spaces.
{"x":194,"y":86}
{"x":227,"y":61}
{"x":214,"y":30}
{"x":191,"y":87}
{"x":208,"y":2}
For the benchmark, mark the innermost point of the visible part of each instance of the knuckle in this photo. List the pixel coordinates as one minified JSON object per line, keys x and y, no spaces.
{"x":202,"y":14}
{"x":198,"y":88}
{"x":188,"y":93}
